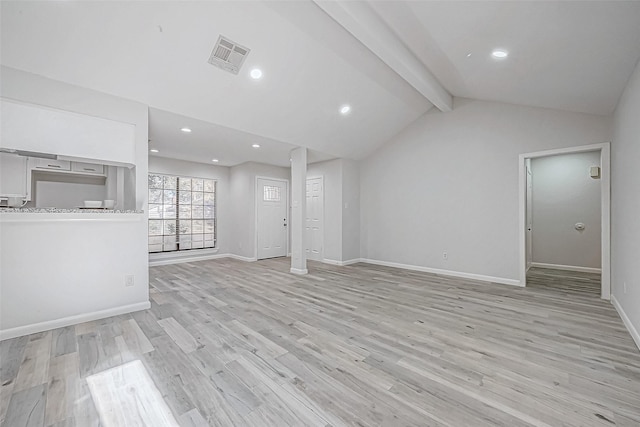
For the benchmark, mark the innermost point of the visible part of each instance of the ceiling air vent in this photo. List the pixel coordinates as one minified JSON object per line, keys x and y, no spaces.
{"x":228,"y":55}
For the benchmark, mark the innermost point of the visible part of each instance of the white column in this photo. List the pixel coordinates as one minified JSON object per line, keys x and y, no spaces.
{"x":298,"y":209}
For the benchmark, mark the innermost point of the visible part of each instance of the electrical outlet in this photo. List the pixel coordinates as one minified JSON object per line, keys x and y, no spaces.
{"x":445,"y":255}
{"x":128,"y":280}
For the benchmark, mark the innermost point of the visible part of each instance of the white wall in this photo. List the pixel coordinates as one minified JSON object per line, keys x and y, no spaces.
{"x":103,"y":291}
{"x":200,"y":170}
{"x":62,"y":269}
{"x":625,"y":205}
{"x":243,"y":201}
{"x":30,"y":88}
{"x":67,"y":195}
{"x":449,"y":182}
{"x":563,"y":195}
{"x":350,"y":210}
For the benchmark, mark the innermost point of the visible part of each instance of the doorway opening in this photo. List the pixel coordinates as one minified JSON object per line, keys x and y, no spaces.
{"x":272,"y":217}
{"x":571,"y":216}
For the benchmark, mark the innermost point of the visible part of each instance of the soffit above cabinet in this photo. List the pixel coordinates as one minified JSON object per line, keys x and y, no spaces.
{"x":35,"y":128}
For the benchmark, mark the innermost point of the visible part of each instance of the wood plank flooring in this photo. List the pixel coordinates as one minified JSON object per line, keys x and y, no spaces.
{"x":228,"y":343}
{"x":572,"y":282}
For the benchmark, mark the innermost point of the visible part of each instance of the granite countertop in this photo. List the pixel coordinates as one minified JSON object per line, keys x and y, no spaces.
{"x":57,"y":210}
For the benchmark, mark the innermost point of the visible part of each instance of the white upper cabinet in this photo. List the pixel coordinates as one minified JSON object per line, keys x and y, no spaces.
{"x":30,"y":127}
{"x":14,"y":176}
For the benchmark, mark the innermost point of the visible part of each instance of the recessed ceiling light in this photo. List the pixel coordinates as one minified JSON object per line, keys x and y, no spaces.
{"x":468,"y":55}
{"x":499,"y":53}
{"x":345,"y":109}
{"x":186,"y":130}
{"x":153,"y":150}
{"x":214,"y":160}
{"x":256,"y":73}
{"x":256,"y":145}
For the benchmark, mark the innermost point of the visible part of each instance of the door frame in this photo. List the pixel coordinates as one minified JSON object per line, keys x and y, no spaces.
{"x":605,"y":208}
{"x":321,"y":178}
{"x":256,"y":201}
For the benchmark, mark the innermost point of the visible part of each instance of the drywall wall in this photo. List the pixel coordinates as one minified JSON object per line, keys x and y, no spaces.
{"x":200,"y":170}
{"x":63,"y":269}
{"x":625,"y":205}
{"x":30,"y":88}
{"x":449,"y":183}
{"x":106,"y":290}
{"x":66,"y":195}
{"x":564,"y":194}
{"x":242,"y":185}
{"x":331,"y":171}
{"x":350,"y":210}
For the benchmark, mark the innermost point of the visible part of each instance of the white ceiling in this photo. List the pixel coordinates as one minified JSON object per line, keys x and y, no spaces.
{"x":208,"y":141}
{"x":569,"y":55}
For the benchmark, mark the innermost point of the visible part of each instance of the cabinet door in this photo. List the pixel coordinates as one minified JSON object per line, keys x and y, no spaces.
{"x":59,"y":165}
{"x":13,"y":175}
{"x":90,"y":168}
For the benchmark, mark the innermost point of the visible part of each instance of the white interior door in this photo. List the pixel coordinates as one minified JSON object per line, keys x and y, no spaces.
{"x":314,"y":224}
{"x":529,"y":213}
{"x":271,"y":200}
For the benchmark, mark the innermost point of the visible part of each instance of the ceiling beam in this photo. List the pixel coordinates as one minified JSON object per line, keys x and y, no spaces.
{"x":369,"y":28}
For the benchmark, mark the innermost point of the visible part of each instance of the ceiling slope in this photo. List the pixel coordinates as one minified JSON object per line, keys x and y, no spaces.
{"x":361,"y":20}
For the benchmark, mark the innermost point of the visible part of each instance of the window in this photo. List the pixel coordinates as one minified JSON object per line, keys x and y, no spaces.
{"x":271,"y":193}
{"x":182,"y":213}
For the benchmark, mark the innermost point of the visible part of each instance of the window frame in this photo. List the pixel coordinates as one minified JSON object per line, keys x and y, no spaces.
{"x":176,"y":220}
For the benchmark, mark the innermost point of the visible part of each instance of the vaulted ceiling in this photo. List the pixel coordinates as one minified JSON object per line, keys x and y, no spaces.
{"x":390,"y":61}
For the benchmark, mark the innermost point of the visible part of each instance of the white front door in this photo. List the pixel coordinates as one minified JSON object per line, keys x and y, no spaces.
{"x":314,"y":223}
{"x":271,"y":199}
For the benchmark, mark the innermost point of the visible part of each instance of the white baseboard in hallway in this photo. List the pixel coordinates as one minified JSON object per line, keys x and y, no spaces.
{"x":472,"y":276}
{"x":566,"y":267}
{"x":341,"y":263}
{"x":627,"y":322}
{"x":71,"y":320}
{"x":178,"y":258}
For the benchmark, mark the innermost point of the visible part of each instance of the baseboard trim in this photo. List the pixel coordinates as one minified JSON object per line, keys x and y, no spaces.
{"x":341,"y":263}
{"x":299,"y":271}
{"x":483,"y":278}
{"x":241,"y":258}
{"x":566,"y":267}
{"x":71,"y":320}
{"x":627,"y":322}
{"x":178,"y":259}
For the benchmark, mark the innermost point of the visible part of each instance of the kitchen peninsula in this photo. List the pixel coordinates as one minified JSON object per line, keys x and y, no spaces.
{"x":64,"y":266}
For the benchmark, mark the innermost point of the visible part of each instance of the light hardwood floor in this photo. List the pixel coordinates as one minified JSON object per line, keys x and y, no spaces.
{"x":571,"y":282}
{"x":229,"y":343}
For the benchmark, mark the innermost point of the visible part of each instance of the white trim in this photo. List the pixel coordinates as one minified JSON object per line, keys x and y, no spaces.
{"x":566,"y":267}
{"x":298,"y":271}
{"x":178,"y":257}
{"x":241,"y":258}
{"x":341,"y":263}
{"x":255,"y":214}
{"x":500,"y":280}
{"x":605,"y":203}
{"x":627,"y":322}
{"x":71,"y":320}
